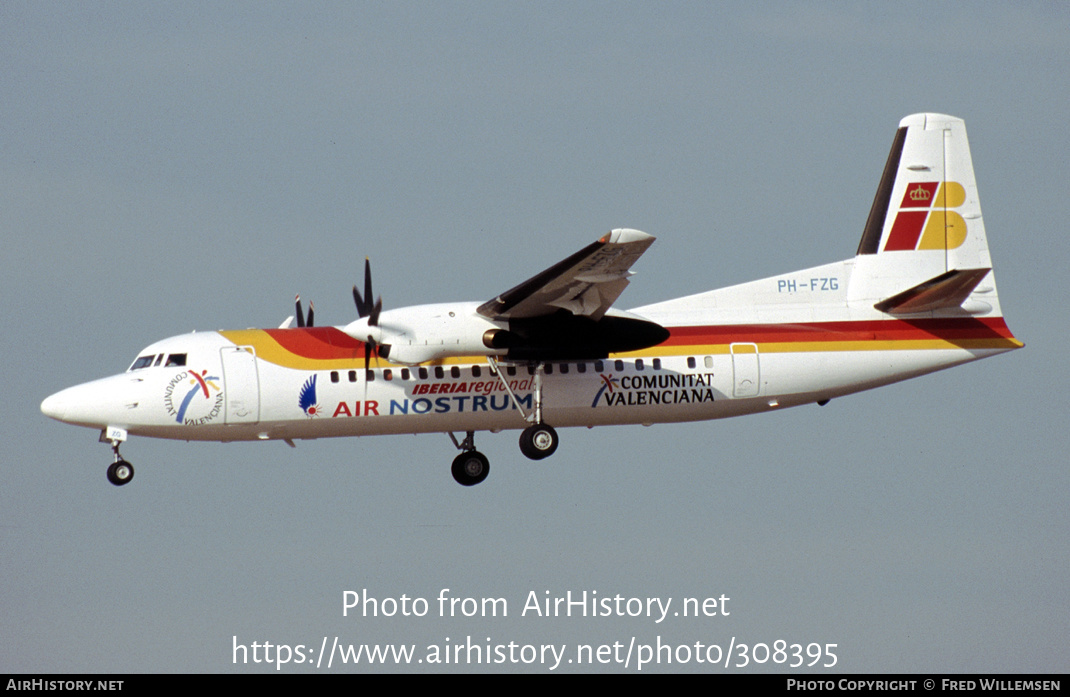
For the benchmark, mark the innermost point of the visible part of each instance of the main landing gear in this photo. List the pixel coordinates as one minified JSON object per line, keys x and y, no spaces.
{"x":537,"y":441}
{"x":471,"y":466}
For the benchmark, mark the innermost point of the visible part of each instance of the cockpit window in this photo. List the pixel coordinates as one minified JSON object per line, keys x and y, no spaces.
{"x":158,"y":360}
{"x":143,"y":362}
{"x":176,"y":359}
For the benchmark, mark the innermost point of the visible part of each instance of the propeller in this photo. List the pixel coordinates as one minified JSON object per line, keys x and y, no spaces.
{"x":365,"y":308}
{"x":301,"y":315}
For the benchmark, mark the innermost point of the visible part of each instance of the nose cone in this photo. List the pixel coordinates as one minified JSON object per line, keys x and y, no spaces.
{"x":54,"y":406}
{"x":96,"y":403}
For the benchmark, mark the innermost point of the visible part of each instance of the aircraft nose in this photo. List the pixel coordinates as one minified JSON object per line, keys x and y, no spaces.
{"x":96,"y":403}
{"x":55,"y":406}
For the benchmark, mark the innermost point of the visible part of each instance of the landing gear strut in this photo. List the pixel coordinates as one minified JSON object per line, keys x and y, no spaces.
{"x":539,"y":440}
{"x":471,"y":466}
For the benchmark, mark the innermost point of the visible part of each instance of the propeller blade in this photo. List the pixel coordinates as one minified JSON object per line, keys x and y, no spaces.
{"x":358,"y":301}
{"x":364,"y":303}
{"x":300,"y":312}
{"x":367,"y":286}
{"x":374,"y":319}
{"x":311,"y":313}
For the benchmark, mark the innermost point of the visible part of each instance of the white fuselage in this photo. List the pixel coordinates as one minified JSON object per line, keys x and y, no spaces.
{"x":247,"y":385}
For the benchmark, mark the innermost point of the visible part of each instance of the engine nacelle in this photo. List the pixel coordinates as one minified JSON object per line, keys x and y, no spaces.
{"x":423,"y":333}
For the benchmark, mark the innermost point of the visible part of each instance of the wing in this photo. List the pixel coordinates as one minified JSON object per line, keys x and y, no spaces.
{"x":585,"y":284}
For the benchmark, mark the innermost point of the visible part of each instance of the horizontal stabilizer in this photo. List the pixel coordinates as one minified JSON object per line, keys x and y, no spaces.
{"x":948,"y":290}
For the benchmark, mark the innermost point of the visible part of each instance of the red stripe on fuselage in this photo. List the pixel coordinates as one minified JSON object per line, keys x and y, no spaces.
{"x":321,"y":343}
{"x":949,"y":329}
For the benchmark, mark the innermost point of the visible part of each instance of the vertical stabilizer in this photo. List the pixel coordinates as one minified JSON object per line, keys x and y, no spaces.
{"x":926,"y":217}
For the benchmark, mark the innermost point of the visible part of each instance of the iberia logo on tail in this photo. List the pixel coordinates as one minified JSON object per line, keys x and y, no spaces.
{"x":925,"y":221}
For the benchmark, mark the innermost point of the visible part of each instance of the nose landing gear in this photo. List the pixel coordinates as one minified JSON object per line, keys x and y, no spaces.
{"x":120,"y":472}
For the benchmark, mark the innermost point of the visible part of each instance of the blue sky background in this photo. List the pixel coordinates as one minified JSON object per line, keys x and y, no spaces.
{"x":175,"y":167}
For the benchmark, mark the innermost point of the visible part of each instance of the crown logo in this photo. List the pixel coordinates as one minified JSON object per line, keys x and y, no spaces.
{"x":919,"y":194}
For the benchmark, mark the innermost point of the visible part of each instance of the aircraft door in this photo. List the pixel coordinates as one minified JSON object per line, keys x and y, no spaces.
{"x":241,"y":385}
{"x":745,"y":370}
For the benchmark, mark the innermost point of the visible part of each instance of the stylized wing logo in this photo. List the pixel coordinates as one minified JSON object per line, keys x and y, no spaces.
{"x":608,"y":382}
{"x":307,"y":398}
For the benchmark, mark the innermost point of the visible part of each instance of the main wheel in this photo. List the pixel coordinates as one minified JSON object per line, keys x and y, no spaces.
{"x":120,"y":472}
{"x":470,"y":468}
{"x":539,"y":441}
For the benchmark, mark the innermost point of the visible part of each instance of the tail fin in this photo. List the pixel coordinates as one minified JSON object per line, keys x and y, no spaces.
{"x":925,"y":235}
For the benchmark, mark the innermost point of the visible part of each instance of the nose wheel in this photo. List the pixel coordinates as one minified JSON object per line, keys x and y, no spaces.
{"x":120,"y":472}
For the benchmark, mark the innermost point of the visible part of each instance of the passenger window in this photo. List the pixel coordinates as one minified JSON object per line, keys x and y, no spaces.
{"x":581,"y":367}
{"x":564,"y":368}
{"x":708,"y":361}
{"x":599,"y":366}
{"x":657,"y":364}
{"x":510,"y":370}
{"x":476,"y":372}
{"x":405,"y":374}
{"x":455,"y":372}
{"x":439,"y":372}
{"x":638,"y":363}
{"x":334,"y":376}
{"x":388,"y":374}
{"x":690,"y":361}
{"x":423,"y":373}
{"x":352,"y":376}
{"x":618,"y":365}
{"x":549,"y":369}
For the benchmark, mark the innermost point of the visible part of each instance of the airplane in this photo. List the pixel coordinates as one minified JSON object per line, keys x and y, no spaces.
{"x":918,"y":296}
